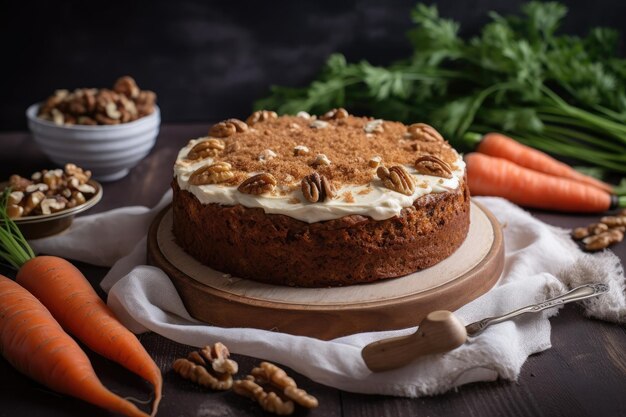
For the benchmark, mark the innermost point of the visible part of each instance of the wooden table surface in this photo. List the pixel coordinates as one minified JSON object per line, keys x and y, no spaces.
{"x":583,"y":374}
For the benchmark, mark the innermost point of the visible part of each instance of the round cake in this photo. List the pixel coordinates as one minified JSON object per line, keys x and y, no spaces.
{"x":319,"y":201}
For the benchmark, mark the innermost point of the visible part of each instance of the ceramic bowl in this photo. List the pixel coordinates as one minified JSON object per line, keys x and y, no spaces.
{"x":108,"y":151}
{"x":43,"y":225}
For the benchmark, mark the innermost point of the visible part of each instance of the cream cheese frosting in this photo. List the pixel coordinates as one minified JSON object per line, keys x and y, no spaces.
{"x":373,"y":200}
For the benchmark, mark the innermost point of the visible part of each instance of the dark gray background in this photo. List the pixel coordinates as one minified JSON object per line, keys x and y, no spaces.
{"x":209,"y":60}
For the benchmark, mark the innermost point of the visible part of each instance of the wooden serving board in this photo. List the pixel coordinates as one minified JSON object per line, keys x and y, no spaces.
{"x":326,"y":313}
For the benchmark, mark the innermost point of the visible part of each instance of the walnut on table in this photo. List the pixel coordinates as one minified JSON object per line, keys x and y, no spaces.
{"x":209,"y":367}
{"x":274,"y":390}
{"x":598,"y":236}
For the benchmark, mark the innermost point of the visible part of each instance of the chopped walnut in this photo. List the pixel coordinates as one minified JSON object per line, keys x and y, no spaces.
{"x":397,"y":179}
{"x":258,"y":184}
{"x":261,"y":116}
{"x":597,"y":228}
{"x":374,"y":126}
{"x":320,"y":159}
{"x":432,"y":165}
{"x":274,"y":390}
{"x":335,"y":114}
{"x":33,"y":201}
{"x":126,"y":85}
{"x":424,"y":133}
{"x":15,"y":197}
{"x":300,"y":150}
{"x":145,"y":103}
{"x":71,"y":170}
{"x":603,"y":240}
{"x":43,"y":187}
{"x":597,"y":236}
{"x":206,"y":149}
{"x":14,"y":211}
{"x":76,"y":198}
{"x":17,"y":183}
{"x":216,"y":173}
{"x":90,"y":106}
{"x":209,"y":367}
{"x":53,"y":179}
{"x":318,"y":124}
{"x":580,"y":233}
{"x":219,"y":356}
{"x":374,"y":161}
{"x":57,"y":117}
{"x":317,"y":188}
{"x":52,"y":205}
{"x":266,"y":155}
{"x":104,"y":120}
{"x":48,"y":192}
{"x":614,"y":221}
{"x":110,"y":109}
{"x":82,"y":187}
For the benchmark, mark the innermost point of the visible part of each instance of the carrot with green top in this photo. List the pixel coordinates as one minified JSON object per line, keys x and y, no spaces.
{"x":500,"y":146}
{"x":71,"y":299}
{"x":34,"y":343}
{"x":500,"y":177}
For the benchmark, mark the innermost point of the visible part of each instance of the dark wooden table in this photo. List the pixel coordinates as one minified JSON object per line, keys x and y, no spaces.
{"x":583,"y":374}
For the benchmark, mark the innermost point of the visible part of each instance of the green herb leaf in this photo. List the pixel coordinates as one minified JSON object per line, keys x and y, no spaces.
{"x":559,"y":93}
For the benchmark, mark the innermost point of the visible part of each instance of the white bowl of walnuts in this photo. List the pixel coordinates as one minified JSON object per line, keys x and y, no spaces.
{"x":105,"y":131}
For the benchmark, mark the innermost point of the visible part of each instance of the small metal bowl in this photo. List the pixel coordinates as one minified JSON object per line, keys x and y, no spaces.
{"x":44,"y":225}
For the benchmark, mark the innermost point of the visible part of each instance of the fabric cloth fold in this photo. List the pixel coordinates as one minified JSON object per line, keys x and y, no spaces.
{"x":541,"y":261}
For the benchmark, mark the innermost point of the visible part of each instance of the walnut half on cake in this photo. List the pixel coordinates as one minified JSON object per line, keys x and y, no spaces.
{"x":319,"y":201}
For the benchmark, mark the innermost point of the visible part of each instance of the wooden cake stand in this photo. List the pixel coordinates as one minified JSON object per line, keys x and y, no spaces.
{"x":326,"y":313}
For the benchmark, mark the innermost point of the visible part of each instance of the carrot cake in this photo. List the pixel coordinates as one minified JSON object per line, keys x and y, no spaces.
{"x":319,"y":201}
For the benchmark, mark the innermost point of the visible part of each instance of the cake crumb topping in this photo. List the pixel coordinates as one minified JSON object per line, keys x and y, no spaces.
{"x":344,"y":152}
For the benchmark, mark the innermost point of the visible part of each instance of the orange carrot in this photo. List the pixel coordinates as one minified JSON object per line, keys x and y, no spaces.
{"x":71,"y":299}
{"x":488,"y":175}
{"x":500,"y":146}
{"x":36,"y":345}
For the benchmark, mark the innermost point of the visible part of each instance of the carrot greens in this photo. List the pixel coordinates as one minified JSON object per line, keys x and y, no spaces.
{"x":562,"y":94}
{"x":13,"y":246}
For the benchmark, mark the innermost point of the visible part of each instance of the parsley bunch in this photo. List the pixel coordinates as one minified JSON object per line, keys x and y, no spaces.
{"x":562,"y":94}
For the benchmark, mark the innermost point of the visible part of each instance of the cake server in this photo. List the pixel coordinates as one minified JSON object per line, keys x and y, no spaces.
{"x":441,"y":331}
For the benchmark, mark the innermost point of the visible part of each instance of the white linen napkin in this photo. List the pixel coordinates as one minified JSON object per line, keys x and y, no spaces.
{"x":541,"y":261}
